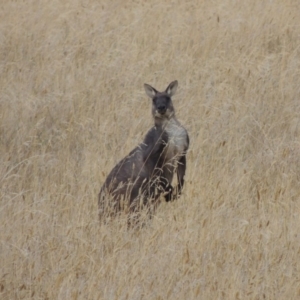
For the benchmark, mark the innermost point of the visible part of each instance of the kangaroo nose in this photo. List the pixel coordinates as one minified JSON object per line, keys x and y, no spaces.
{"x":161,"y":108}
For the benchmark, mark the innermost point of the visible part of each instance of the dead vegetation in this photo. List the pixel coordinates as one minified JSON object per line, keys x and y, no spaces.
{"x":70,"y":68}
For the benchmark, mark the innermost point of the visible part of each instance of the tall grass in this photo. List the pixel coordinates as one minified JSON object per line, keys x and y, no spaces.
{"x":72,"y":104}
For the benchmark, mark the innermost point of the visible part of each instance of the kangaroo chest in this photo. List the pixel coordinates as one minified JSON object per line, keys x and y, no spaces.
{"x":177,"y":140}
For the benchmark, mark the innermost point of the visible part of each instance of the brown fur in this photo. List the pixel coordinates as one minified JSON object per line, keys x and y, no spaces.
{"x":146,"y":173}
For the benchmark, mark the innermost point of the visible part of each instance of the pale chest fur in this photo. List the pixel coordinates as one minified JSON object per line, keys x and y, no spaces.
{"x":177,"y":140}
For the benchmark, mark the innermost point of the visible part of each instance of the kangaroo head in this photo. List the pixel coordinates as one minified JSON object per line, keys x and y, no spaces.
{"x":162,"y":106}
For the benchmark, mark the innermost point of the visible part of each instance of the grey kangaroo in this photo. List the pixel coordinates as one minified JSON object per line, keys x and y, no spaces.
{"x":146,"y":173}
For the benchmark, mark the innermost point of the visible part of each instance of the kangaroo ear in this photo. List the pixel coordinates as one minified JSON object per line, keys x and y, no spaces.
{"x":171,"y":89}
{"x":150,"y":91}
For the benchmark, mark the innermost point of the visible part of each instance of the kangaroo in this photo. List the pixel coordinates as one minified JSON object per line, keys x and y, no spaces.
{"x":146,"y":173}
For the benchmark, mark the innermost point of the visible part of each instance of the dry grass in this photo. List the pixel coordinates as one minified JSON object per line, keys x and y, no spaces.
{"x":72,"y":104}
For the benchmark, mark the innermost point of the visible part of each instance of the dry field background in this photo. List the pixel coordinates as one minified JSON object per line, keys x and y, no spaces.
{"x":72,"y":104}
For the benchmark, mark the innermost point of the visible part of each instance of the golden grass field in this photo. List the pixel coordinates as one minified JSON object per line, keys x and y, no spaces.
{"x":72,"y":104}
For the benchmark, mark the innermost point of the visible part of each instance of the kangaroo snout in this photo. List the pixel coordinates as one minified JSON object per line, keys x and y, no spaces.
{"x":162,"y":109}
